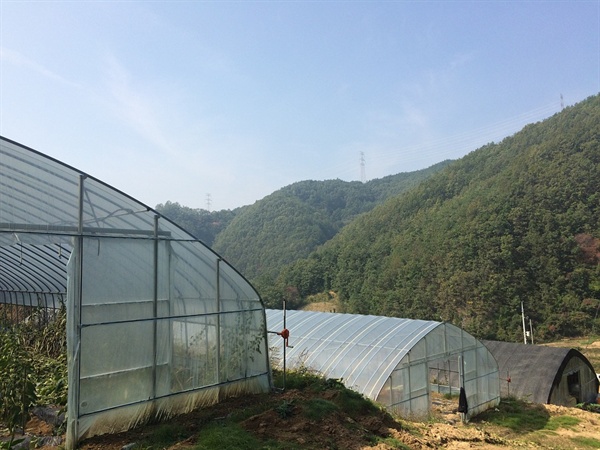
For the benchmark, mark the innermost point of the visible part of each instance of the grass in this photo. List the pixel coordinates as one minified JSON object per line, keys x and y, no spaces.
{"x":586,"y":442}
{"x":226,"y":435}
{"x":517,"y":415}
{"x":534,"y":424}
{"x":394,"y":443}
{"x":285,"y":409}
{"x":354,"y":403}
{"x":319,"y":408}
{"x":302,"y":378}
{"x":166,"y":434}
{"x":567,"y":422}
{"x":228,"y":432}
{"x":231,"y":436}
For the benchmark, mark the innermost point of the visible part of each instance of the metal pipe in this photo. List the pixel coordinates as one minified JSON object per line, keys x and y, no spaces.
{"x":284,"y":345}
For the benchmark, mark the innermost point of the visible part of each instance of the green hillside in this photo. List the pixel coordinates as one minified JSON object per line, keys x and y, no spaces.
{"x":512,"y":222}
{"x":293,"y":221}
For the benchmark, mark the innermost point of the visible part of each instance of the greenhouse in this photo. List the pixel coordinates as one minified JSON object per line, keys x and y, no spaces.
{"x":540,"y":374}
{"x":399,"y":363}
{"x":157,"y":323}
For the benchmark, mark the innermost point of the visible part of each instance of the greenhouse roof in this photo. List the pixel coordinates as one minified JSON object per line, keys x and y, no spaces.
{"x":43,"y":204}
{"x":361,"y":343}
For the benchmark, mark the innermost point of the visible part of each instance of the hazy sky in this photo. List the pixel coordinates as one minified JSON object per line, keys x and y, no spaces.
{"x":180,"y":99}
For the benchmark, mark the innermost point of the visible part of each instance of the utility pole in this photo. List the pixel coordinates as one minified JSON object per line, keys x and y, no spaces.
{"x":523,"y":317}
{"x":531,"y":331}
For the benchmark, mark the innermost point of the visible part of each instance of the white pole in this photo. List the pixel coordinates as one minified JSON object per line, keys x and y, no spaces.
{"x":524,"y":330}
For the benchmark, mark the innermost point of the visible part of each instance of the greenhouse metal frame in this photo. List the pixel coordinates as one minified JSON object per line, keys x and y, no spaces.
{"x":157,"y":323}
{"x":398,"y":363}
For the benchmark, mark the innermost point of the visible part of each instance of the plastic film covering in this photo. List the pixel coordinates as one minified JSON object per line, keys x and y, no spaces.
{"x":399,"y":363}
{"x":157,"y":323}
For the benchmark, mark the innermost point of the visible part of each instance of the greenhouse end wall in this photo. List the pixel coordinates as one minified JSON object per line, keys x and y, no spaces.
{"x":445,"y":359}
{"x":136,"y":357}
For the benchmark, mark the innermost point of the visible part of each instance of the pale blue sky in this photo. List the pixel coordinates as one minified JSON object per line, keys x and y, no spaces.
{"x":176,"y":100}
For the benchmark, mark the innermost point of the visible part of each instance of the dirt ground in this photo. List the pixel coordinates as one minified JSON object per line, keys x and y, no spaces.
{"x":443,"y":430}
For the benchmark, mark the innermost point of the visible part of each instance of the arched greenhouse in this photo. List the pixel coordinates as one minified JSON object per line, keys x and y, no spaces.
{"x":398,"y":363}
{"x":540,"y":374}
{"x":157,"y":323}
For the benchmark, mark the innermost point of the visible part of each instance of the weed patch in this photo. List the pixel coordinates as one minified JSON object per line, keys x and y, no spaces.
{"x":285,"y":409}
{"x":165,"y":435}
{"x":226,"y":436}
{"x":517,"y":415}
{"x":586,"y":442}
{"x":393,"y":443}
{"x":319,"y":408}
{"x":567,"y":422}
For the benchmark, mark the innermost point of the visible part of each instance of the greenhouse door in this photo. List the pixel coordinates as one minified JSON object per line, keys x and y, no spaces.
{"x":574,"y":386}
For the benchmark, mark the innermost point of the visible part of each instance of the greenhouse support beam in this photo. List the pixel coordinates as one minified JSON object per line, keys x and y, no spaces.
{"x":218,"y":305}
{"x":155,"y":307}
{"x":74,"y":318}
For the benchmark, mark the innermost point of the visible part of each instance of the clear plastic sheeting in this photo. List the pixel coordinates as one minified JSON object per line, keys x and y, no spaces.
{"x":157,"y":323}
{"x":399,"y":363}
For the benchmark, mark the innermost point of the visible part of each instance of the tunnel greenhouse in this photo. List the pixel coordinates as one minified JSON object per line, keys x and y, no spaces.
{"x":540,"y":374}
{"x":157,"y":323}
{"x":399,"y":363}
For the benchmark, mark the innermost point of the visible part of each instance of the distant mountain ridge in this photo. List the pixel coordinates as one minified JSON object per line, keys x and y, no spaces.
{"x":293,"y":221}
{"x":517,"y":221}
{"x":287,"y":225}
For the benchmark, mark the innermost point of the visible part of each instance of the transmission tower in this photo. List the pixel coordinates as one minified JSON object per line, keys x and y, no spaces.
{"x":363,"y":175}
{"x":208,"y":202}
{"x":562,"y":103}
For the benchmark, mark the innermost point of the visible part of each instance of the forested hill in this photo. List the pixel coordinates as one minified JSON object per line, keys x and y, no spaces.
{"x":201,"y":223}
{"x":293,"y":221}
{"x":517,"y":221}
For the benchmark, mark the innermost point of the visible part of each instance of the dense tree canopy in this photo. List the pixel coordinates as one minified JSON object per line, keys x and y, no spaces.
{"x":202,"y":224}
{"x":512,"y":222}
{"x":293,"y":221}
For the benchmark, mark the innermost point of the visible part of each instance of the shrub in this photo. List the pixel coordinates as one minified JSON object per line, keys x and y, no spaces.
{"x":17,"y":388}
